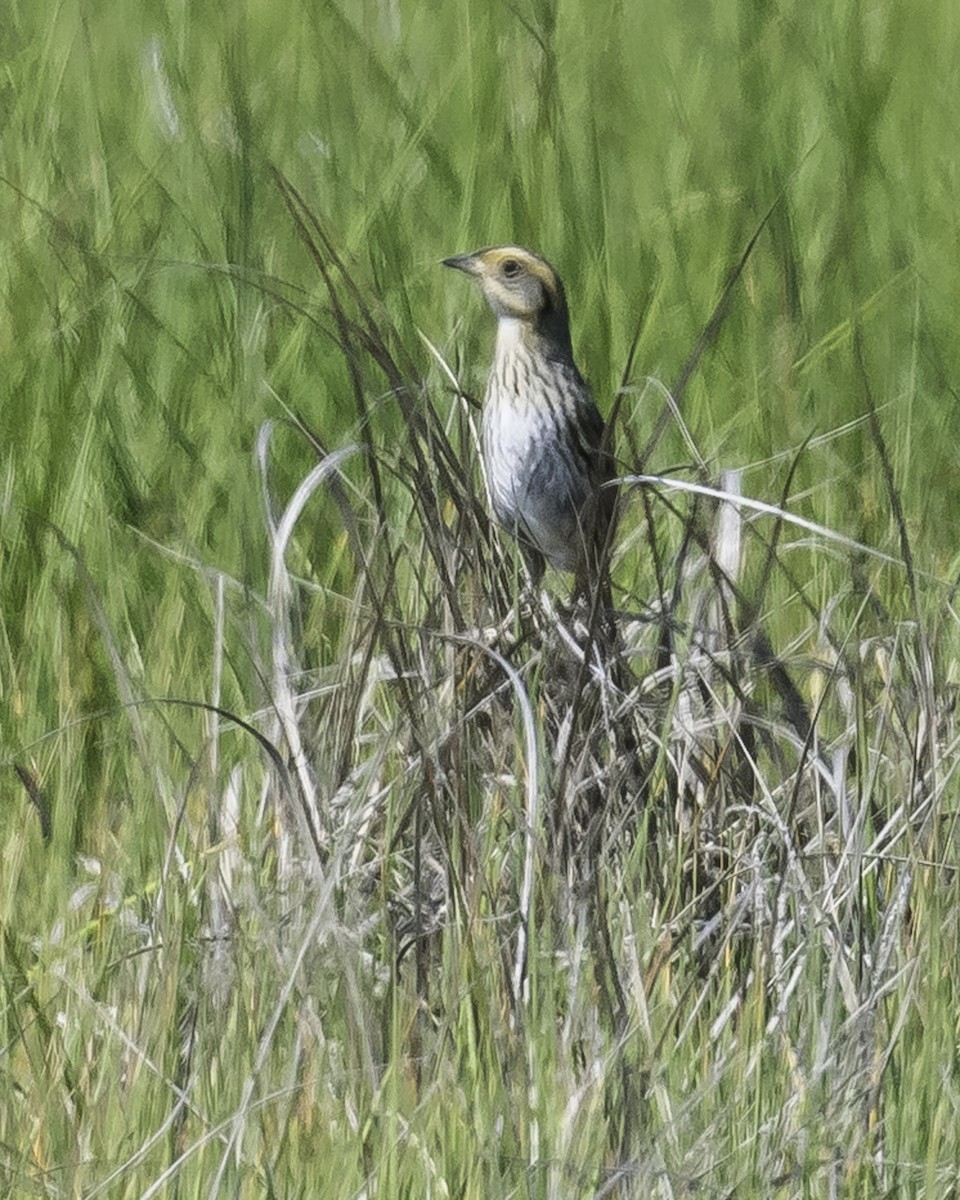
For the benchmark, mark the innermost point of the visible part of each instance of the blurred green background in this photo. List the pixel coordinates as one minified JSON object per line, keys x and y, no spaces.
{"x":158,"y":307}
{"x":638,"y":149}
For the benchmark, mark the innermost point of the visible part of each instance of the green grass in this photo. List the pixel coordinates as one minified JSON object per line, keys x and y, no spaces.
{"x":748,"y":987}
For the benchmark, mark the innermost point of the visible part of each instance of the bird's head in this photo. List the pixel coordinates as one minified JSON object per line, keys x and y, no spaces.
{"x":520,"y":286}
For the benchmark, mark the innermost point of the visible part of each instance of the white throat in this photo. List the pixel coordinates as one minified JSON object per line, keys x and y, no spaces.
{"x":509,"y":336}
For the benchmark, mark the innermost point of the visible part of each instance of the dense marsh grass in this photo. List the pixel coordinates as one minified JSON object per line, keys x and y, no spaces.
{"x":312,"y":881}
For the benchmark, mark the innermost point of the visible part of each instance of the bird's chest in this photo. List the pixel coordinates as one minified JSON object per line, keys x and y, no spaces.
{"x":512,"y":430}
{"x":515,"y":433}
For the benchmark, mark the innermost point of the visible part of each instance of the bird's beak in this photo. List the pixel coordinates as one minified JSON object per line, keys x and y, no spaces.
{"x":463,"y":262}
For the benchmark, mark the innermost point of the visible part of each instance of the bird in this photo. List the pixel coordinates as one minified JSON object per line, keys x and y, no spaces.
{"x":543,"y":447}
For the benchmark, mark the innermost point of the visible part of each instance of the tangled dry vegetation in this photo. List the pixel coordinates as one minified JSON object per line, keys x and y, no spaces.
{"x":642,"y":908}
{"x":711,"y":814}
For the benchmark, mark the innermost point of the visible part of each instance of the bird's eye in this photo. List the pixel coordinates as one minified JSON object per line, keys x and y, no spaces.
{"x":511,"y":268}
